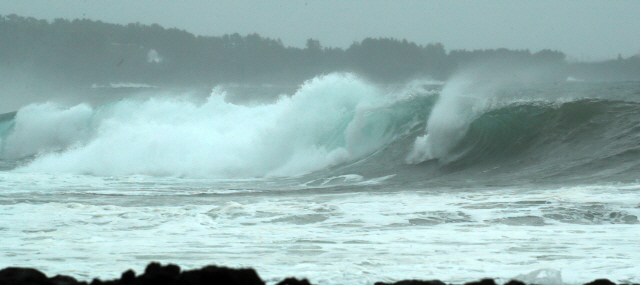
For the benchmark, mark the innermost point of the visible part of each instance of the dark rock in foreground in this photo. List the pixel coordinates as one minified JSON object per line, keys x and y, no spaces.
{"x":156,"y":274}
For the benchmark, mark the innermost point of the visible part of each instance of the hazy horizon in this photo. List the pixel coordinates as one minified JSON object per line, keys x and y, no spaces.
{"x":584,"y":30}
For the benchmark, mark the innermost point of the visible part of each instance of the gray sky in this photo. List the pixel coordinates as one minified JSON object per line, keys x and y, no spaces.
{"x":593,"y":29}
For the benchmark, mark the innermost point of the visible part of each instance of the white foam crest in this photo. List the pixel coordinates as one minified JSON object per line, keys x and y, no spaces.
{"x":460,"y":102}
{"x":46,"y":127}
{"x":317,"y":127}
{"x":475,"y":90}
{"x":417,"y":87}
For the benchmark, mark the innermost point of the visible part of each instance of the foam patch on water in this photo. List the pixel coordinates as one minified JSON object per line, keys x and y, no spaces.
{"x":330,"y":238}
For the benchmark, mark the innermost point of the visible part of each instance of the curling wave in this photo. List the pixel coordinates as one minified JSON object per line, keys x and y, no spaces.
{"x":339,"y":125}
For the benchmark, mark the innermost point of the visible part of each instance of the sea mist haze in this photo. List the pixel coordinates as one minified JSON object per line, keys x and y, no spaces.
{"x":343,"y":166}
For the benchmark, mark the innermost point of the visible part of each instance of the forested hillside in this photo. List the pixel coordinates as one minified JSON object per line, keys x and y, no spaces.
{"x":88,"y":52}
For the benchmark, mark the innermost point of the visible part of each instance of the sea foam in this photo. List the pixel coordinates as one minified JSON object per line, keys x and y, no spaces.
{"x":324,"y":123}
{"x":460,"y":102}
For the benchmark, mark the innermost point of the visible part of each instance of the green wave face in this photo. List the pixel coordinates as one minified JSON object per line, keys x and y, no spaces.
{"x":340,"y":125}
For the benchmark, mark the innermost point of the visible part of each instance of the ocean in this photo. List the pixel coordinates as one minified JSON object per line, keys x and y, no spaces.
{"x":341,"y":181}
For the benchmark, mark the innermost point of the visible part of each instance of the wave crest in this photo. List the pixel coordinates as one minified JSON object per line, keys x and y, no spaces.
{"x":326,"y":122}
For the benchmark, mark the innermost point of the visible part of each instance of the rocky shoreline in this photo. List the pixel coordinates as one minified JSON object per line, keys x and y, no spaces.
{"x":171,"y":274}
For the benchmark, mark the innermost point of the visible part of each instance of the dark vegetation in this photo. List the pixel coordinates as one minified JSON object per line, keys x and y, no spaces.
{"x":156,"y":274}
{"x":86,"y":52}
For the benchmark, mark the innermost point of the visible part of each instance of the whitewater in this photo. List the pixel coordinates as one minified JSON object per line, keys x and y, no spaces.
{"x":341,"y":181}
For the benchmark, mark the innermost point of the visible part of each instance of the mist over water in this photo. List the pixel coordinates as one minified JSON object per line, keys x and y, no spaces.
{"x":324,"y":123}
{"x":458,"y":105}
{"x":464,"y":98}
{"x":337,"y":123}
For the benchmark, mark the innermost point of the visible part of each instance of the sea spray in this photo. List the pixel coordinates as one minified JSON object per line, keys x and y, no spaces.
{"x":468,"y":95}
{"x":46,"y":127}
{"x":460,"y":102}
{"x":336,"y":125}
{"x":322,"y":124}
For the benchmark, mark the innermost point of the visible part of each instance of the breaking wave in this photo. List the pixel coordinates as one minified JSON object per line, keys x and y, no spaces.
{"x":326,"y":122}
{"x":339,"y":125}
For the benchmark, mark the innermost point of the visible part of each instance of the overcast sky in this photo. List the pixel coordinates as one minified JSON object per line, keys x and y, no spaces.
{"x":594,"y":30}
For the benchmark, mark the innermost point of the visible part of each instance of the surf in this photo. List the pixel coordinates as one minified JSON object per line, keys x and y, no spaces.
{"x":340,"y":125}
{"x":328,"y":121}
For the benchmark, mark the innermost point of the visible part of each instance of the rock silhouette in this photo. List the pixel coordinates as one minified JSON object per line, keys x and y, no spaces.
{"x":171,"y":274}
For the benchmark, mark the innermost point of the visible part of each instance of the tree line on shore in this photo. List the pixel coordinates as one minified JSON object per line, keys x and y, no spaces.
{"x":86,"y":51}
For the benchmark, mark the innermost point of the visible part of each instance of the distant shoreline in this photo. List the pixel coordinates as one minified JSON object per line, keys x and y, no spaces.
{"x":86,"y":52}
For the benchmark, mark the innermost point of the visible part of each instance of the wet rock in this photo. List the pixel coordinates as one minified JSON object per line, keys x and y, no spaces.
{"x":293,"y":281}
{"x":220,"y":275}
{"x":482,"y":282}
{"x":128,"y":277}
{"x":413,"y":282}
{"x":515,"y":282}
{"x":156,"y":274}
{"x":600,"y":282}
{"x":65,"y":280}
{"x":23,"y":276}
